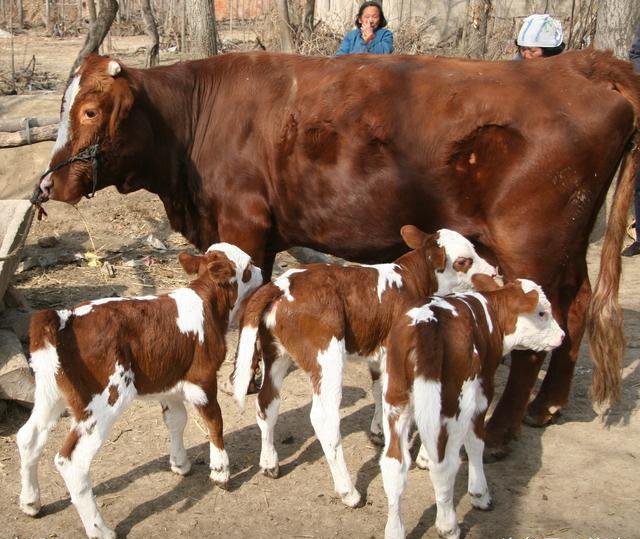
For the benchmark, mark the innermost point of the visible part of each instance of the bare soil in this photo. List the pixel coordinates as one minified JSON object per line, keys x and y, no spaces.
{"x":578,"y":478}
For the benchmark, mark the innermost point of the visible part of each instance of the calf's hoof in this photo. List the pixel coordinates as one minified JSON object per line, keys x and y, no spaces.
{"x":181,"y":469}
{"x":377,"y":438}
{"x":394,"y":530}
{"x":449,"y":534}
{"x":496,"y":453}
{"x":30,"y":508}
{"x":273,"y":473}
{"x":422,"y":462}
{"x":101,"y":532}
{"x":352,"y":499}
{"x":220,"y":477}
{"x":481,"y":501}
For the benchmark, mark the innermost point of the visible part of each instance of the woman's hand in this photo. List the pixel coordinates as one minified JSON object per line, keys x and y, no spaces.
{"x":368,"y":33}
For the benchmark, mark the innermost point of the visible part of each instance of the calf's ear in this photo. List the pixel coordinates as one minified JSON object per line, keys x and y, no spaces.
{"x":484,"y":283}
{"x":530,"y":302}
{"x":221,"y":270}
{"x":190,"y":263}
{"x":413,"y":236}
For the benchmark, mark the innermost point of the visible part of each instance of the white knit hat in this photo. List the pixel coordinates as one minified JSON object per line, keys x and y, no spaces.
{"x":540,"y":31}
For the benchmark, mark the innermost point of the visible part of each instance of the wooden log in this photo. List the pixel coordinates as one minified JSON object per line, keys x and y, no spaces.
{"x":16,"y":380}
{"x":19,"y":124}
{"x":36,"y":134}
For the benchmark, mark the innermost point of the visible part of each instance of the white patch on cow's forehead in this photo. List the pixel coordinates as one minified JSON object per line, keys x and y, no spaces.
{"x":67,"y":102}
{"x":284,"y":283}
{"x":455,"y":244}
{"x":190,"y":312}
{"x":528,"y":286}
{"x":233,"y":253}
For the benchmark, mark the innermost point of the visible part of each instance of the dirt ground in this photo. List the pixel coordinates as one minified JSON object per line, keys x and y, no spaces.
{"x":575,"y":479}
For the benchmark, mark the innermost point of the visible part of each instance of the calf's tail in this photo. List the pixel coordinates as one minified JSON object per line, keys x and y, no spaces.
{"x":251,"y":320}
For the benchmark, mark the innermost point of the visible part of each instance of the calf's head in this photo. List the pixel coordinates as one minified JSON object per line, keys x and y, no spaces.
{"x":453,"y":257}
{"x":227,"y":266}
{"x":96,"y":106}
{"x":526,"y":315}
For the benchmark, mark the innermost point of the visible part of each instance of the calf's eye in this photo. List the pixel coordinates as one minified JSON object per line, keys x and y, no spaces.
{"x":90,"y":113}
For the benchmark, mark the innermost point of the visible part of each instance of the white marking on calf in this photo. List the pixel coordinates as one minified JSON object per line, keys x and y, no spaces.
{"x":86,"y":309}
{"x":483,"y":303}
{"x":283,"y":282}
{"x":443,"y":304}
{"x":388,"y":277}
{"x":63,"y":315}
{"x":190,"y":312}
{"x":242,"y":261}
{"x":421,"y":314}
{"x":218,"y":464}
{"x":243,"y":373}
{"x":63,"y":128}
{"x":113,"y":68}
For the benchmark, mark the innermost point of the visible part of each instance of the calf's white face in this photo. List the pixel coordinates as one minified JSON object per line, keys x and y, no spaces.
{"x":538,"y":330}
{"x":462,"y":262}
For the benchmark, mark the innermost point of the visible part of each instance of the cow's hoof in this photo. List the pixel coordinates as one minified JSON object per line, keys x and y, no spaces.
{"x":352,"y":499}
{"x":449,"y":534}
{"x":377,"y":438}
{"x":220,"y":477}
{"x":541,"y":417}
{"x":31,"y":508}
{"x":481,"y":501}
{"x":273,"y":473}
{"x":181,"y":469}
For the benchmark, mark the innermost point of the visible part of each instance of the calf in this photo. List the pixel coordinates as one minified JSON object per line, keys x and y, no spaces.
{"x":444,"y":354}
{"x":320,"y":313}
{"x":97,"y":357}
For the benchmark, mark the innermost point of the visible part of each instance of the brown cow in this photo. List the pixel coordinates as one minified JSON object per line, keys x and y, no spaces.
{"x":267,"y":151}
{"x":97,"y":357}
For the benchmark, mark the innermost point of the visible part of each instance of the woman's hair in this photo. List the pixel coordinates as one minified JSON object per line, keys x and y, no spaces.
{"x":552,"y":51}
{"x":365,"y":5}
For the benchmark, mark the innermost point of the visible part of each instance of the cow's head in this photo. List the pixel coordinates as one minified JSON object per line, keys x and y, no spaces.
{"x":227,"y":265}
{"x":525,"y":314}
{"x":452,"y":255}
{"x":96,"y":106}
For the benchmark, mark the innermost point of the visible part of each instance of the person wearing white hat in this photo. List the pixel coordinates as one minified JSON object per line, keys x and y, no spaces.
{"x":540,"y":36}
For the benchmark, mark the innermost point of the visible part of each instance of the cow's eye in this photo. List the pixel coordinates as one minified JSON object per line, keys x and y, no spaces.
{"x":90,"y":113}
{"x":541,"y":314}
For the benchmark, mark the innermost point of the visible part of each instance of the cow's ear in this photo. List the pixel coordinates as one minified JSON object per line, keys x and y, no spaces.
{"x":221,"y":270}
{"x":484,"y":283}
{"x":190,"y":263}
{"x":529,"y":302}
{"x":413,"y":236}
{"x":122,"y":102}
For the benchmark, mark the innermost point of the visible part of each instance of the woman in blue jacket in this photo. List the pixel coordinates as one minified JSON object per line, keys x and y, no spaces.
{"x":370,"y":36}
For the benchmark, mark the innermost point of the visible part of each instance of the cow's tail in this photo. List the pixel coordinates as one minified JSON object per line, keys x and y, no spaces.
{"x":605,"y":321}
{"x":252,"y":319}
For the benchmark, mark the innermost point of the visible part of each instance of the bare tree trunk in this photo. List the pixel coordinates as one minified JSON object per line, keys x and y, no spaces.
{"x":202,"y":28}
{"x":153,"y":53}
{"x":91,"y":5}
{"x":309,"y":14}
{"x":97,"y":31}
{"x":617,"y":21}
{"x":286,"y":39}
{"x":477,"y":19}
{"x":20,"y":14}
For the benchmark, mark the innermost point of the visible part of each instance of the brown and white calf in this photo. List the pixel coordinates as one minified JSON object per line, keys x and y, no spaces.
{"x":98,"y":356}
{"x":318,"y":314}
{"x":442,"y":357}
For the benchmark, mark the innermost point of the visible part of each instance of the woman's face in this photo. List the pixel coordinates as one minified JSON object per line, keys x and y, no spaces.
{"x":530,"y":52}
{"x":370,"y":17}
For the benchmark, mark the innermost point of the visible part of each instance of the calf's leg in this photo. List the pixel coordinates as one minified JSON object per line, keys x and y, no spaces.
{"x":325,"y":418}
{"x":218,"y":458}
{"x":477,"y":486}
{"x":394,"y":464}
{"x":376,"y":433}
{"x":32,"y":437}
{"x":175,"y":416}
{"x":276,"y":366}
